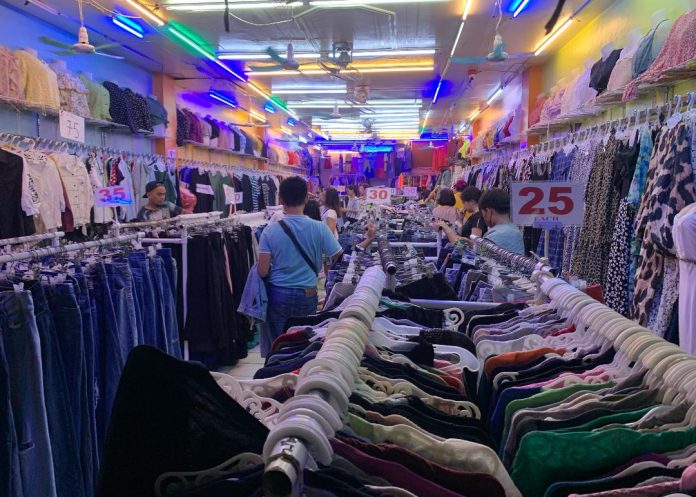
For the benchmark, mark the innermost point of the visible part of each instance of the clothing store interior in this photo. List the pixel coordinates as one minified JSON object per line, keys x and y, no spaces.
{"x":347,"y":248}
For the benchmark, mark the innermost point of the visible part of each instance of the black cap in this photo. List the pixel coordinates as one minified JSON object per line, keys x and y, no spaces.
{"x":151,"y":186}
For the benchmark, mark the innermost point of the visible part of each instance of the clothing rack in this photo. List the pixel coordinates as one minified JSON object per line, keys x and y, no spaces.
{"x":73,"y":247}
{"x":637,"y":117}
{"x":314,"y":414}
{"x":54,"y":236}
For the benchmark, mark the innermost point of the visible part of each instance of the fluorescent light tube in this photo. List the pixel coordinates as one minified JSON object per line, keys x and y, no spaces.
{"x":520,"y":8}
{"x":250,"y":5}
{"x":553,"y":36}
{"x":495,"y":95}
{"x":43,"y":6}
{"x":149,"y":15}
{"x":369,"y":103}
{"x":321,"y":72}
{"x":269,"y":108}
{"x":467,"y":6}
{"x":127,"y":25}
{"x":221,"y":98}
{"x":257,"y":116}
{"x":262,"y":56}
{"x":437,"y":91}
{"x":475,"y":114}
{"x":365,"y":54}
{"x":456,"y":39}
{"x":320,"y":91}
{"x":259,"y":91}
{"x":202,"y":51}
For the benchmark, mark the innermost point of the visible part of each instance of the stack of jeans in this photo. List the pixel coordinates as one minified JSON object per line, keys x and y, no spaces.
{"x":64,"y":339}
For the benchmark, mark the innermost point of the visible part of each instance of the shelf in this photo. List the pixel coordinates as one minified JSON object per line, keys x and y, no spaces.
{"x":203,"y":146}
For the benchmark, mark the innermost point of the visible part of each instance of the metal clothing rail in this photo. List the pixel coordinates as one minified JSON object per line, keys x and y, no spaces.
{"x":54,"y":236}
{"x":185,"y":218}
{"x":314,"y":414}
{"x":74,"y":247}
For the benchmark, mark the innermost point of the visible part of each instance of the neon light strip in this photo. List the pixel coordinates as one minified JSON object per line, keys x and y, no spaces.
{"x":320,"y":72}
{"x":337,"y":4}
{"x":257,"y":116}
{"x":303,"y":55}
{"x":126,"y":26}
{"x":222,"y":99}
{"x":520,"y":8}
{"x":154,"y":18}
{"x":202,"y":51}
{"x":553,"y":36}
{"x":437,"y":91}
{"x":495,"y":95}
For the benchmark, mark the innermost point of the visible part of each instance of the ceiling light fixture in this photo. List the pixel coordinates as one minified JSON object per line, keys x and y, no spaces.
{"x":365,"y":54}
{"x":321,"y":72}
{"x":517,"y":7}
{"x":202,"y":51}
{"x":495,"y":96}
{"x":149,"y":15}
{"x":467,"y":7}
{"x":554,"y":35}
{"x":315,"y":91}
{"x":222,"y":98}
{"x":291,"y":122}
{"x":269,"y":108}
{"x":437,"y":91}
{"x":257,"y":116}
{"x":128,"y":25}
{"x":43,"y":6}
{"x":285,"y":130}
{"x":259,"y":91}
{"x":456,"y":39}
{"x":250,"y":5}
{"x":475,"y":114}
{"x":302,"y":139}
{"x":385,"y":101}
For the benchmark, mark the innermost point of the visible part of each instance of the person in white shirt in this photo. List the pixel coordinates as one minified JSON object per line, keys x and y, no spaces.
{"x":355,"y":203}
{"x":330,"y":209}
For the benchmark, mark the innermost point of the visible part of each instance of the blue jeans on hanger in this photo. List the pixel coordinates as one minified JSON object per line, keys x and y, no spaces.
{"x":65,"y":441}
{"x":20,"y":337}
{"x":10,"y":476}
{"x":109,"y":357}
{"x":168,"y":330}
{"x":144,"y":291}
{"x":284,"y":303}
{"x":121,"y":289}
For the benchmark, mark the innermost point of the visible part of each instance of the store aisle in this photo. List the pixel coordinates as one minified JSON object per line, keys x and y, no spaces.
{"x":245,"y":368}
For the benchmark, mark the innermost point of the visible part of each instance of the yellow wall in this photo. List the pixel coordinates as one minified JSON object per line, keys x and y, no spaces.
{"x":613,"y":25}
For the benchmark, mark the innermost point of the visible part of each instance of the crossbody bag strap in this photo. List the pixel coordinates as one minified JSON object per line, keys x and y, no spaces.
{"x":297,"y":245}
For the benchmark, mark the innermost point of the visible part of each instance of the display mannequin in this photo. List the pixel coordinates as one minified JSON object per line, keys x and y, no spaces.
{"x":657,"y":17}
{"x":607,"y":50}
{"x":634,"y":36}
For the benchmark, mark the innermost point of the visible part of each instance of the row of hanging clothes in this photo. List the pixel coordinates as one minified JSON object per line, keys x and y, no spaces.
{"x":581,"y":401}
{"x":69,"y":316}
{"x":215,"y":256}
{"x":638,"y":175}
{"x":409,"y":424}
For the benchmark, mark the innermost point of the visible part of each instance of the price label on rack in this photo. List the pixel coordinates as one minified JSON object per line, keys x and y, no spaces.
{"x":539,"y":202}
{"x":238,"y":197}
{"x":410,"y":191}
{"x":377,"y":195}
{"x":112,"y":196}
{"x":229,"y":194}
{"x":71,"y":126}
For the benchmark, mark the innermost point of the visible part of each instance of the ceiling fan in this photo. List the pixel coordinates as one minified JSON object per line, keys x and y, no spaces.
{"x":288,"y":63}
{"x":336,"y":114}
{"x":498,"y":54}
{"x":83,"y":46}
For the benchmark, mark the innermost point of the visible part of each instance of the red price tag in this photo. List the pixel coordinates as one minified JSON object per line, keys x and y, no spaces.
{"x":379,"y":195}
{"x":547,"y":201}
{"x":112,"y":196}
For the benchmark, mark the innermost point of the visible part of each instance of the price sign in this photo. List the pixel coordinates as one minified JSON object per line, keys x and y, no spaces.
{"x":410,"y":191}
{"x":341,"y":188}
{"x":378,"y":195}
{"x":229,"y":194}
{"x":238,"y":197}
{"x":539,"y":202}
{"x":72,"y":127}
{"x":112,"y":196}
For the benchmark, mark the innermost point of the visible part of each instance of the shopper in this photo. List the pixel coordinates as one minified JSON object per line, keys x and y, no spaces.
{"x":494,"y":206}
{"x":312,"y":210}
{"x":474,"y":224}
{"x":362,"y":191}
{"x":354,"y":203}
{"x":290,"y":256}
{"x":445,"y":210}
{"x":458,"y":188}
{"x":330,"y":209}
{"x":157,"y":207}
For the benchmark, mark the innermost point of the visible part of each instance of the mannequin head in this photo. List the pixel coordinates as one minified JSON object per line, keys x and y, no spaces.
{"x":31,"y":51}
{"x":607,"y":50}
{"x":635,"y":35}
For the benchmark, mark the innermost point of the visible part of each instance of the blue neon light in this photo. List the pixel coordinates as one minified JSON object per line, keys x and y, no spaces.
{"x":220,"y":97}
{"x":437,"y":91}
{"x":291,"y":122}
{"x":269,"y":108}
{"x":517,"y":6}
{"x":128,"y":25}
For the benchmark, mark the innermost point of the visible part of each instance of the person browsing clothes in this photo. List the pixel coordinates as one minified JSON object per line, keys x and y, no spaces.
{"x":157,"y":207}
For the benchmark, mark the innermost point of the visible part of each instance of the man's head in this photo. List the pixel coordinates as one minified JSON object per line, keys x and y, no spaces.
{"x":293,"y":192}
{"x":155,"y":193}
{"x":470,"y":198}
{"x":495,"y":207}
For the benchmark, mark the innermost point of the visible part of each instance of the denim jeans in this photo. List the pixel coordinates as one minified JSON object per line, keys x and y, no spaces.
{"x":109,"y":358}
{"x":282,"y":304}
{"x":20,"y":338}
{"x":65,"y":441}
{"x":10,"y":476}
{"x":168,"y":330}
{"x":121,"y":287}
{"x":144,"y":291}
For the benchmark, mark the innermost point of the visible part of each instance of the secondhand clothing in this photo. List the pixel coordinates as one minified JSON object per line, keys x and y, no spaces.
{"x":474,"y":221}
{"x":507,"y":236}
{"x":288,"y":268}
{"x":446,"y":213}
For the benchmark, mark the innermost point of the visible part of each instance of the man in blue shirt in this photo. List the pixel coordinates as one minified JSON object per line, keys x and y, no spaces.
{"x":494,"y":206}
{"x":290,"y":275}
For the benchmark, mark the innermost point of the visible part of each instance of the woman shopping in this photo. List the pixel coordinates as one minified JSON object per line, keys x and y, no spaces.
{"x":330,"y":209}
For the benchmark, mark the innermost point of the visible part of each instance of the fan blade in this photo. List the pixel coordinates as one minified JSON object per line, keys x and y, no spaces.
{"x":107,"y":45}
{"x":55,"y":43}
{"x":522,"y":55}
{"x":275,"y":56}
{"x":464,"y":60}
{"x":64,"y":53}
{"x":117,"y":57}
{"x":266,"y":68}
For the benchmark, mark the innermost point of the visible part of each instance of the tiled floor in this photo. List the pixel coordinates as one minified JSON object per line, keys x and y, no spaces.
{"x":245,"y":368}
